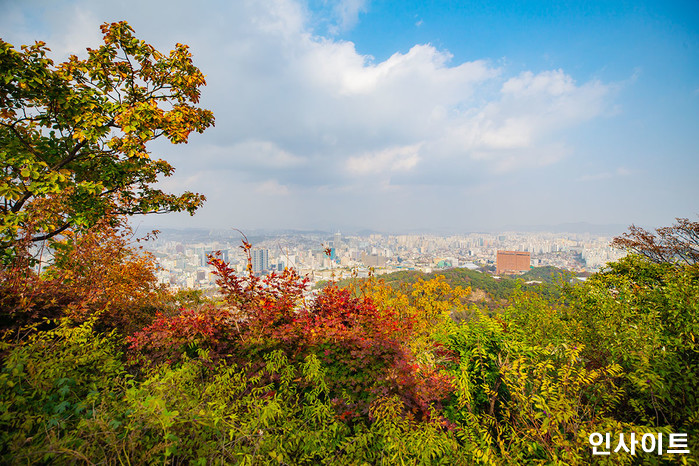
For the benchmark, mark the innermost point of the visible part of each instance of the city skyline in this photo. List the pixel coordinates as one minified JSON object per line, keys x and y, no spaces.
{"x":182,"y":255}
{"x":398,"y":116}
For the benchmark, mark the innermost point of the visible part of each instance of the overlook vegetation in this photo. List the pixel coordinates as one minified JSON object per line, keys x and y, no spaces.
{"x":490,"y":292}
{"x":102,"y":365}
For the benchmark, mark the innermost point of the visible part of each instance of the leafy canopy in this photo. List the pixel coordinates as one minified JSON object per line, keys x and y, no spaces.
{"x":73,"y":137}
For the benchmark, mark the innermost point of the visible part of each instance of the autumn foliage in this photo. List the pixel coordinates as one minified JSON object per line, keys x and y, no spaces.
{"x":101,"y":365}
{"x":73,"y":136}
{"x":110,"y":276}
{"x":362,"y":346}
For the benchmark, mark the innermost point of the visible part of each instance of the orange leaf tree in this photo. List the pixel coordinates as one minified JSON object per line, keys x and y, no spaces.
{"x":110,"y":275}
{"x":74,"y":136}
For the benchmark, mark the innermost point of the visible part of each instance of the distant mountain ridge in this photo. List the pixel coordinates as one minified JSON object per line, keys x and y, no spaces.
{"x":572,"y":227}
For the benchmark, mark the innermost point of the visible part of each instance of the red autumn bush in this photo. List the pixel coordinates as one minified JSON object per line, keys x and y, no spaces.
{"x":169,"y":338}
{"x":363,"y":347}
{"x":112,"y":277}
{"x":96,"y":272}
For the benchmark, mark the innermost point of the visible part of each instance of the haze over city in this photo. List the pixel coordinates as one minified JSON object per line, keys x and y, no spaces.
{"x":400,"y":116}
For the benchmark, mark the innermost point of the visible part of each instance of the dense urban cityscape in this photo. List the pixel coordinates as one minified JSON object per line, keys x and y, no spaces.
{"x":182,"y":254}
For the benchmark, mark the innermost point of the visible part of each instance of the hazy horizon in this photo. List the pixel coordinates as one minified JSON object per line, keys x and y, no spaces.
{"x":608,"y":230}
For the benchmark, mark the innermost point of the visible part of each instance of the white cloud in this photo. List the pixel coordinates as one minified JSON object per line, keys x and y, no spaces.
{"x":623,"y":171}
{"x":66,"y":30}
{"x":423,"y":64}
{"x":347,"y":13}
{"x":392,"y":159}
{"x":272,"y":188}
{"x":183,"y":183}
{"x":521,"y":125}
{"x":286,"y":99}
{"x":263,"y":154}
{"x":79,"y":29}
{"x":554,"y":83}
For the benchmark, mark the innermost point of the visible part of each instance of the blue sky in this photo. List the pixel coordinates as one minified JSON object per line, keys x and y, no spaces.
{"x":396,"y":116}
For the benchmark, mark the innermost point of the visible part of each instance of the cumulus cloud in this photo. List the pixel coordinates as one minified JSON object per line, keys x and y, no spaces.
{"x":286,"y":97}
{"x":299,"y":111}
{"x":523,"y":120}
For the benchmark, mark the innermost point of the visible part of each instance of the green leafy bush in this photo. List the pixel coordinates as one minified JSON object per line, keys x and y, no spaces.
{"x":52,"y":383}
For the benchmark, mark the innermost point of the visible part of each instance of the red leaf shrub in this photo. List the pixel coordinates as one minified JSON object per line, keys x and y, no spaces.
{"x":169,"y":338}
{"x":363,"y":347}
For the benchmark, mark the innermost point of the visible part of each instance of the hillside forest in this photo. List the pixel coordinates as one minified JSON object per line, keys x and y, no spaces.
{"x":102,"y":365}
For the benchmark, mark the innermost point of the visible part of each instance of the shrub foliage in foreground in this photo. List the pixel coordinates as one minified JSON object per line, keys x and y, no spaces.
{"x":266,"y":376}
{"x":57,"y":408}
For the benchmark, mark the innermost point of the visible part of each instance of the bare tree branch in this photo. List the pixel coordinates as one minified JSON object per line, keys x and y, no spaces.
{"x":675,"y":244}
{"x":58,"y":231}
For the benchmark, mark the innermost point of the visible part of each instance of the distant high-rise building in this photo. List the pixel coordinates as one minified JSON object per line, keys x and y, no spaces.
{"x":260,"y":260}
{"x":373,"y":260}
{"x":337,"y":240}
{"x":513,"y":262}
{"x":204,"y":257}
